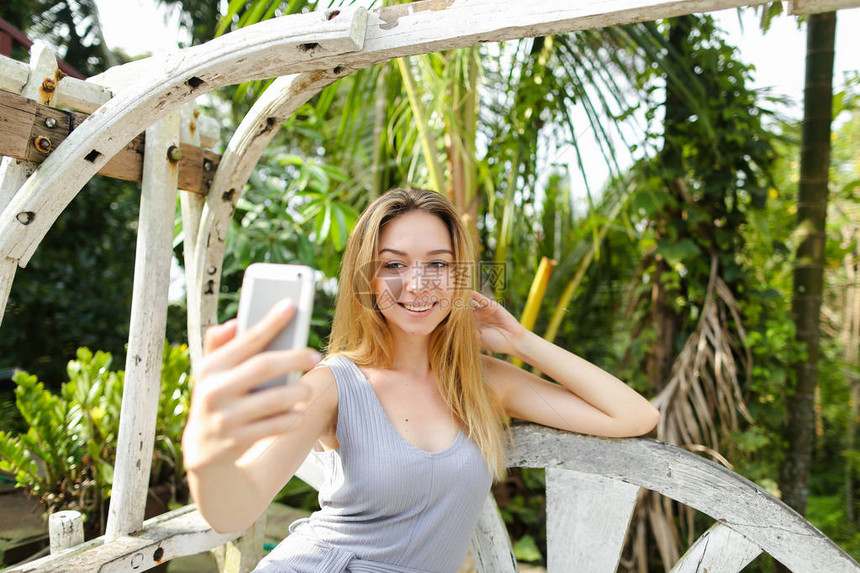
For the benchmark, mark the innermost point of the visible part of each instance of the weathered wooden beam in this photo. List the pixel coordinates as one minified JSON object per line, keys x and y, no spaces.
{"x":719,"y":550}
{"x":271,"y":46}
{"x":692,"y":480}
{"x":799,"y":7}
{"x":490,"y":544}
{"x":31,"y":131}
{"x":175,"y":534}
{"x":13,"y":74}
{"x":587,"y":518}
{"x":80,"y":95}
{"x":14,"y":173}
{"x":147,"y":330}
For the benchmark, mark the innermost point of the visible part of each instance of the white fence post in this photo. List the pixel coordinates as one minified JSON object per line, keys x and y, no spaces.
{"x":147,"y":330}
{"x":14,"y":172}
{"x":66,"y":529}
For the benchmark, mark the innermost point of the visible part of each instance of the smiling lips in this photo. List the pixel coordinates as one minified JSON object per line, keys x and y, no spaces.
{"x":417,"y":307}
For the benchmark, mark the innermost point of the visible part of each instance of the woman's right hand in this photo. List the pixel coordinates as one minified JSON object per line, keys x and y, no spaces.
{"x":226,"y":418}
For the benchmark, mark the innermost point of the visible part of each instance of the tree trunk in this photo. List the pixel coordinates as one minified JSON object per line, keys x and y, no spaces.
{"x":664,"y":317}
{"x":851,"y":338}
{"x":809,"y":259}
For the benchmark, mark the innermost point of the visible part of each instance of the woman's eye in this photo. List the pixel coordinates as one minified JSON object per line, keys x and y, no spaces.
{"x":393,"y":266}
{"x":438,"y":264}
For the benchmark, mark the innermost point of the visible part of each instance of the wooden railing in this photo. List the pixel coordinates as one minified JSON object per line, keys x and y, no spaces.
{"x":592,"y":485}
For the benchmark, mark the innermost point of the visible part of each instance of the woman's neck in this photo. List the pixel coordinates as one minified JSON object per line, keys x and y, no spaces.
{"x":410,"y":353}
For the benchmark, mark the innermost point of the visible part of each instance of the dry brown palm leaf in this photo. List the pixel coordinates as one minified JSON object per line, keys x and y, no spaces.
{"x":699,"y":405}
{"x":703,"y":396}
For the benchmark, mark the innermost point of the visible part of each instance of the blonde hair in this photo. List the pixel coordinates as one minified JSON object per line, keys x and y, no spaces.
{"x":360,"y":332}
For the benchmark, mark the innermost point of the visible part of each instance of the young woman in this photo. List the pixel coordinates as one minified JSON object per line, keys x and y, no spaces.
{"x":406,"y":413}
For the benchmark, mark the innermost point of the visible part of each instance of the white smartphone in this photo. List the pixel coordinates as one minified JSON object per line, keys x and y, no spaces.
{"x":265,"y":284}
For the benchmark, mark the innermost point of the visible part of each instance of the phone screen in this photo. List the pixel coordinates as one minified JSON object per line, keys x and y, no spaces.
{"x":266,"y":293}
{"x":265,"y":285}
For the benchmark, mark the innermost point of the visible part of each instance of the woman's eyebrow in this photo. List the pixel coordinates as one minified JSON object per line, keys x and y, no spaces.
{"x":402,"y":254}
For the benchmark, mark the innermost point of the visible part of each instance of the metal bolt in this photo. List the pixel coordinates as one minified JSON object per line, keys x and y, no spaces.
{"x":50,"y":122}
{"x":174,"y":153}
{"x":43,"y":144}
{"x":49,"y":85}
{"x":207,"y":165}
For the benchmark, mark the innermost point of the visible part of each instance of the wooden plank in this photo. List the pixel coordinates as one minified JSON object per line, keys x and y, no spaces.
{"x":719,"y":550}
{"x":210,"y":131}
{"x":127,"y":165}
{"x":587,"y":517}
{"x":175,"y":534}
{"x":799,"y":7}
{"x":23,"y":122}
{"x":17,"y":115}
{"x":50,"y":126}
{"x":490,"y":545}
{"x":278,"y":44}
{"x":14,"y":173}
{"x":312,"y":472}
{"x":80,"y":95}
{"x":13,"y":74}
{"x":147,"y":327}
{"x":191,"y":207}
{"x":692,"y":480}
{"x":243,"y":554}
{"x":7,"y":277}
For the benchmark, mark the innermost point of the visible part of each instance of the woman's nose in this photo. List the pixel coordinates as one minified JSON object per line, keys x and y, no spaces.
{"x":414,"y":282}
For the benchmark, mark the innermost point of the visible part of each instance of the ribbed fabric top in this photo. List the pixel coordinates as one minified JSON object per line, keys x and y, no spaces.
{"x":387,"y":501}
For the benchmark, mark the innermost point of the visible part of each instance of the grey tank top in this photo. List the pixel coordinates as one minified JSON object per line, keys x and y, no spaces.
{"x":386,"y":505}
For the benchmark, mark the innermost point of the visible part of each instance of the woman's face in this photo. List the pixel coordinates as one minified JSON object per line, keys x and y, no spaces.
{"x":416,"y":273}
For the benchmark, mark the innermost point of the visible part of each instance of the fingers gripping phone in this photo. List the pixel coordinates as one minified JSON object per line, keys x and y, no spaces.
{"x":266,"y":284}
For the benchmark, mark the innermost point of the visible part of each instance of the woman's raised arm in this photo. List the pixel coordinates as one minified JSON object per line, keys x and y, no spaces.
{"x":587,"y":399}
{"x":239,"y":447}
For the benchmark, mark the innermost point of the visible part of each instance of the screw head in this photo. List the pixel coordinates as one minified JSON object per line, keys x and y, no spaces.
{"x":50,"y":122}
{"x":207,"y":165}
{"x":42,"y":144}
{"x":174,"y":153}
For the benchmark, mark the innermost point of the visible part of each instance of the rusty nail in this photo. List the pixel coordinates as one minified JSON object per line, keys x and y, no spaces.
{"x":50,"y":122}
{"x":26,"y":217}
{"x":49,"y":85}
{"x":42,"y":143}
{"x":207,"y":165}
{"x":174,"y":153}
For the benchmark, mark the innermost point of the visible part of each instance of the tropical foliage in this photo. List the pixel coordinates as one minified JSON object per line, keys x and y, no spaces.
{"x":65,"y":457}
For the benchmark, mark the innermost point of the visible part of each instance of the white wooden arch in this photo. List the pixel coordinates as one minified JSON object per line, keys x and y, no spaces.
{"x":319,"y":48}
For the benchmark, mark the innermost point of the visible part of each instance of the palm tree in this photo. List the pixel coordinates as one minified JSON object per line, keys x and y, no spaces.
{"x":809,"y":258}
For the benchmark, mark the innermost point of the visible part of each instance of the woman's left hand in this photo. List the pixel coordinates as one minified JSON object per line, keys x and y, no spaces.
{"x":498,"y":330}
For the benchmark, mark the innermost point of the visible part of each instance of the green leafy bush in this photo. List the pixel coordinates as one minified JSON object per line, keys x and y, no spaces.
{"x":65,"y":458}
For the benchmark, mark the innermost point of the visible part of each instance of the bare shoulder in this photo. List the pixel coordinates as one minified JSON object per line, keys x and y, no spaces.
{"x":500,"y":375}
{"x":323,"y":397}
